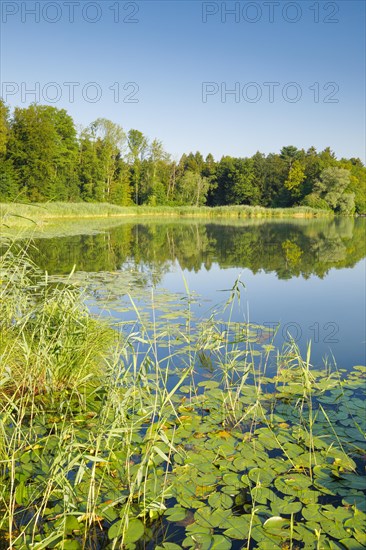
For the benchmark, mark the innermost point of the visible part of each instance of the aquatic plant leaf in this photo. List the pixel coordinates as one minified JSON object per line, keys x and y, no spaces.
{"x":207,"y":517}
{"x":219,"y":542}
{"x":220,"y":500}
{"x":260,"y":476}
{"x":350,"y":544}
{"x":175,"y":514}
{"x":275,"y":522}
{"x":237,"y":527}
{"x":333,"y":528}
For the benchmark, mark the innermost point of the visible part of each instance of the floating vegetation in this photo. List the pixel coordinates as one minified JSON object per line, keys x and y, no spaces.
{"x":138,"y":451}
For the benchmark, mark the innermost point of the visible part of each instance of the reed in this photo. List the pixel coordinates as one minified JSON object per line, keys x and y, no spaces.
{"x":39,"y":214}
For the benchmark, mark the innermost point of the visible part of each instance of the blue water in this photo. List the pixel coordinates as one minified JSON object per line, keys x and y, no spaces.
{"x":330,"y":312}
{"x":303,"y":279}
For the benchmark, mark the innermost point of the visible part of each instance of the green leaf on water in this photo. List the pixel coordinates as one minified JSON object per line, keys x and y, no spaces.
{"x":135,"y":531}
{"x":219,"y":542}
{"x":357,"y":500}
{"x":220,"y":500}
{"x":237,"y":527}
{"x":231,"y":479}
{"x":211,"y":518}
{"x":275,"y":522}
{"x":284,"y":507}
{"x":260,"y":476}
{"x":350,"y":544}
{"x":71,"y":524}
{"x":175,"y":514}
{"x":333,"y":528}
{"x":360,"y":536}
{"x":116,"y":529}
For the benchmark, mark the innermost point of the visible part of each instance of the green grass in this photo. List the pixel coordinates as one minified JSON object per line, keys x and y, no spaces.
{"x":26,"y":215}
{"x":104,"y":445}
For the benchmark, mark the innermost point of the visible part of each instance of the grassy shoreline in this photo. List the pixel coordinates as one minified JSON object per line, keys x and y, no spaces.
{"x":25,"y":215}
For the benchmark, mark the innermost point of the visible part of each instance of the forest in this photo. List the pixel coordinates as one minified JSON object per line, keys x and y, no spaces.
{"x":43,"y":157}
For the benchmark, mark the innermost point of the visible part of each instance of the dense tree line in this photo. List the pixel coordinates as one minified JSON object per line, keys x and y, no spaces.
{"x":44,"y":158}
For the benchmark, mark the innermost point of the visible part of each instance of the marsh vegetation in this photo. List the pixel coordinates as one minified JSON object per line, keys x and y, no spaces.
{"x":109,"y":439}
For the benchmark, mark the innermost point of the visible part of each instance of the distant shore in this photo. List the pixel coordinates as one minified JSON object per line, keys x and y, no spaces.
{"x":38,"y":214}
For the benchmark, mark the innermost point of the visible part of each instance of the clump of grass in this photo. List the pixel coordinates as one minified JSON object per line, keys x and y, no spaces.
{"x":49,"y":341}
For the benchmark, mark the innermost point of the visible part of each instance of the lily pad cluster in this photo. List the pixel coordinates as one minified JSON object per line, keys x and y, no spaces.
{"x":283,"y":469}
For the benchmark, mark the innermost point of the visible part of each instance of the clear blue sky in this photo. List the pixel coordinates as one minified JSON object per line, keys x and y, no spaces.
{"x":169,"y":52}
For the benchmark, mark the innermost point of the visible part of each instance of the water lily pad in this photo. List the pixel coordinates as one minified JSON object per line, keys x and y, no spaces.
{"x":133,"y":533}
{"x":202,"y":541}
{"x":311,"y":512}
{"x":177,"y":513}
{"x":220,"y":500}
{"x":260,"y":476}
{"x":237,"y":527}
{"x":350,"y":544}
{"x":207,"y":517}
{"x":333,"y":528}
{"x":275,"y":522}
{"x":219,"y":542}
{"x":284,"y":507}
{"x":357,"y":500}
{"x":232,"y":479}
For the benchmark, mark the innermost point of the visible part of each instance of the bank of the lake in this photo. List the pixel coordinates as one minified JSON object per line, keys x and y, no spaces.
{"x":26,"y":215}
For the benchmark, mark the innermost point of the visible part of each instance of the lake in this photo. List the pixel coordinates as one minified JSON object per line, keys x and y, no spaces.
{"x":201,"y":426}
{"x":299,"y":279}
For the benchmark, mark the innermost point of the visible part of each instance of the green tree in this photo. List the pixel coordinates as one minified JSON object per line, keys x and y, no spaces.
{"x":138,"y":146}
{"x":156,"y":174}
{"x":242,"y":188}
{"x":209,"y":171}
{"x":4,"y":128}
{"x":121,"y":190}
{"x":294,"y":180}
{"x":276,"y":171}
{"x":194,"y":162}
{"x":43,"y":149}
{"x":259,"y":171}
{"x":332,"y":187}
{"x":289,"y":154}
{"x":90,"y":169}
{"x":192,"y":189}
{"x":111,"y":140}
{"x":8,"y":184}
{"x":357,"y":182}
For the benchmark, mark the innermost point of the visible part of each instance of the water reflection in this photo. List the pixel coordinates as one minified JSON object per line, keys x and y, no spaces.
{"x":300,"y":275}
{"x":293,"y":248}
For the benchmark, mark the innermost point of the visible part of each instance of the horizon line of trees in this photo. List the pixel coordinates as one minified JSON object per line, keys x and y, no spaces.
{"x":43,"y":158}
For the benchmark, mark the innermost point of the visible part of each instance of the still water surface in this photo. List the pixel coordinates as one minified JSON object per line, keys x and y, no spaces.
{"x":304,"y":277}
